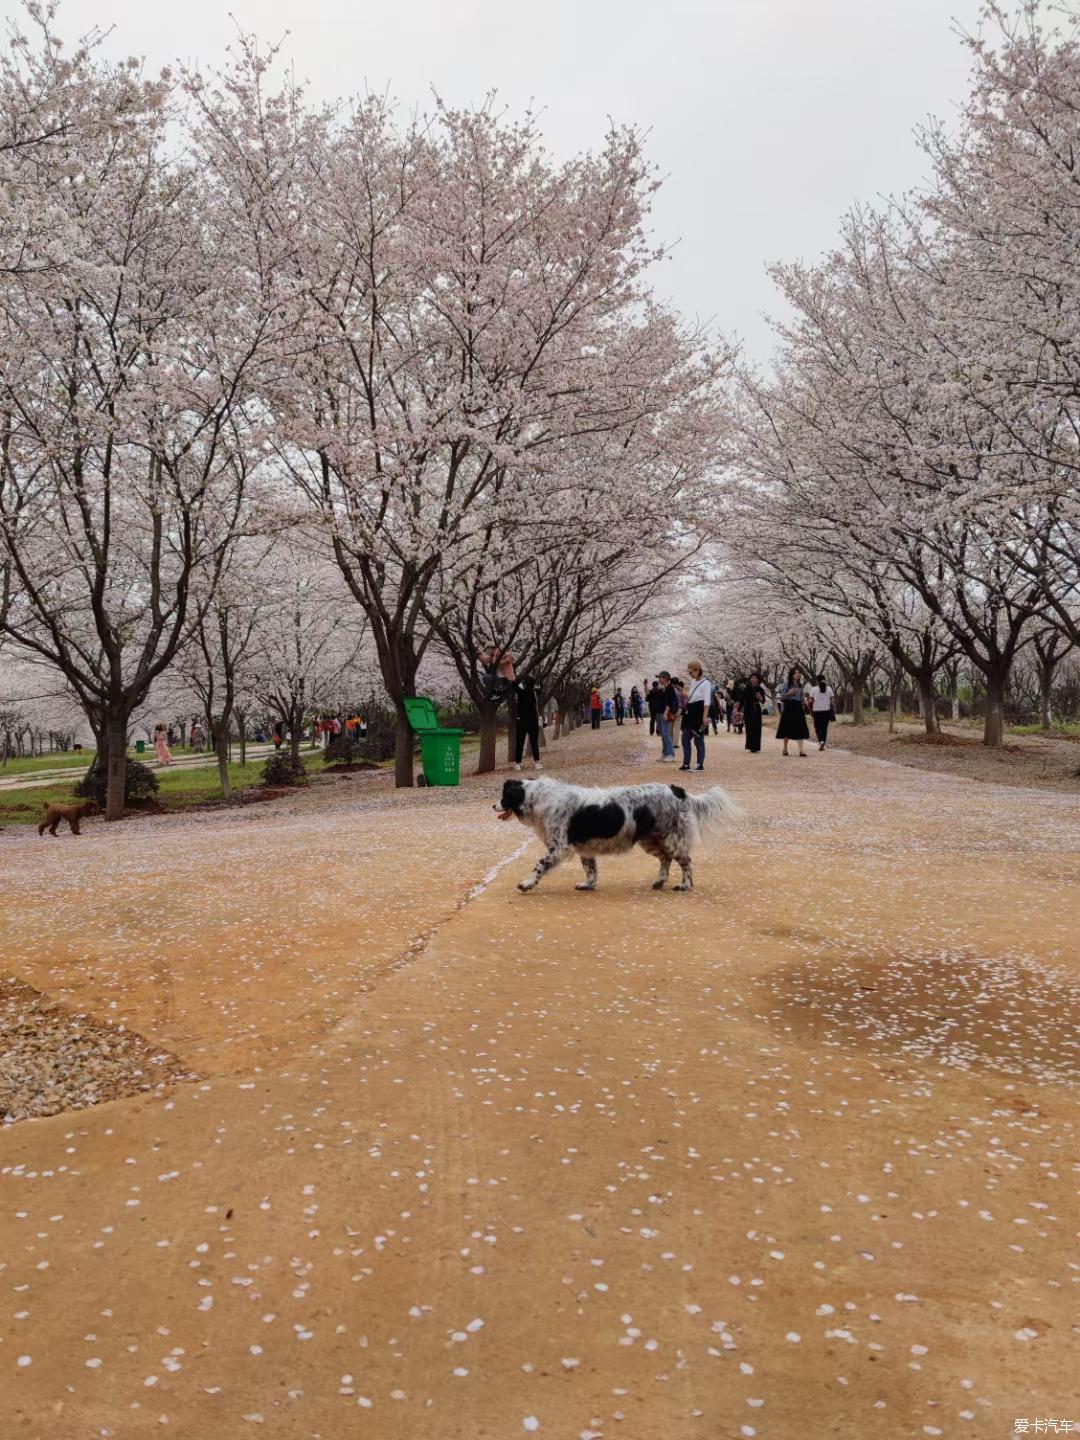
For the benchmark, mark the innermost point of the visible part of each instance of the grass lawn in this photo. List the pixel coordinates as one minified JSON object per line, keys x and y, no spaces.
{"x":178,"y":789}
{"x":1067,"y":729}
{"x":25,"y":765}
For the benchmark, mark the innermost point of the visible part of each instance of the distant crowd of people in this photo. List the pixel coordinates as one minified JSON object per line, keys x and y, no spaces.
{"x":683,"y":711}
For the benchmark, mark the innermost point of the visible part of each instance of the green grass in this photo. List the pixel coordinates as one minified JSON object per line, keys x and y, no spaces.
{"x":178,"y":790}
{"x":1067,"y":727}
{"x":25,"y":765}
{"x":23,"y":807}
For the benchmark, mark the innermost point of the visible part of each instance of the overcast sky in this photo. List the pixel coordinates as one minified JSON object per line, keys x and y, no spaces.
{"x":767,"y":117}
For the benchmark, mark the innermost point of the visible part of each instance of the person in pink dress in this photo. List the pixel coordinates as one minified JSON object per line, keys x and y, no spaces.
{"x":161,"y":744}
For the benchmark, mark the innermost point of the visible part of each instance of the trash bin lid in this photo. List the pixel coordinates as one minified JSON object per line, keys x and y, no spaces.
{"x":421,"y":712}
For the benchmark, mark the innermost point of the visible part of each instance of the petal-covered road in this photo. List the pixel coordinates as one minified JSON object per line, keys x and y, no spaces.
{"x":792,"y":1155}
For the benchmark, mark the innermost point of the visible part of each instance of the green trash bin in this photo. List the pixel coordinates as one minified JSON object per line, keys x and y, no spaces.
{"x":440,"y":748}
{"x":140,"y":747}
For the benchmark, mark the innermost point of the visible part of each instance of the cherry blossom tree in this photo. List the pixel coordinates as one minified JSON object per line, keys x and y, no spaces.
{"x":472,"y":324}
{"x":305,"y":650}
{"x":127,"y":425}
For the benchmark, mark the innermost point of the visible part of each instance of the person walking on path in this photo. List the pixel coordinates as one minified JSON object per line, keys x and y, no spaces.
{"x":716,"y":709}
{"x":698,"y":699}
{"x":680,"y":690}
{"x":654,"y":699}
{"x":161,"y":745}
{"x":528,"y":722}
{"x":792,"y":697}
{"x":823,"y":698}
{"x":620,"y":707}
{"x":668,"y":715}
{"x":753,"y":698}
{"x":635,"y":704}
{"x":596,"y":709}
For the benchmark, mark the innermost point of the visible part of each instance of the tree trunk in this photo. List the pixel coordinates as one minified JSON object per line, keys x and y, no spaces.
{"x":488,"y":717}
{"x":1046,"y":690}
{"x":116,"y":771}
{"x":242,"y":726}
{"x":954,"y":691}
{"x":403,"y":748}
{"x":928,"y":703}
{"x":994,"y":724}
{"x":856,"y":702}
{"x":222,"y":747}
{"x":511,"y":727}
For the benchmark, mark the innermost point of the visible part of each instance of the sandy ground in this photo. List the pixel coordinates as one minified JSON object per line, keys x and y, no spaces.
{"x":789,"y":1156}
{"x":1049,"y":762}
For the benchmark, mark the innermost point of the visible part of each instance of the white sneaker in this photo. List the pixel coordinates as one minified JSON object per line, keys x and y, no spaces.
{"x":537,"y":765}
{"x":517,"y":767}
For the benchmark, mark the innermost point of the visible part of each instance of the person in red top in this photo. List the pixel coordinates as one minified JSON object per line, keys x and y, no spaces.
{"x":596,"y":709}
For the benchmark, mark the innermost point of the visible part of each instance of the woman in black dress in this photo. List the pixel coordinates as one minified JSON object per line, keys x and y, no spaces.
{"x":793,"y":724}
{"x":753,"y":698}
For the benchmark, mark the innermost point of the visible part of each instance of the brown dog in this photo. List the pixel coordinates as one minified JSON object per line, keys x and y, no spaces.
{"x":71,"y":813}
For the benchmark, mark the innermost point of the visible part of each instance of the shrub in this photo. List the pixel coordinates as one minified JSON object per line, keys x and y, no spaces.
{"x":282,"y":768}
{"x":139,"y":784}
{"x":464,"y":719}
{"x":343,"y":749}
{"x":381,"y":737}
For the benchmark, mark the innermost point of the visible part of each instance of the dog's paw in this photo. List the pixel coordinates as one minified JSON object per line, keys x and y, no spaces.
{"x":658,"y":884}
{"x":526,"y":885}
{"x":584,"y":886}
{"x":683,"y":886}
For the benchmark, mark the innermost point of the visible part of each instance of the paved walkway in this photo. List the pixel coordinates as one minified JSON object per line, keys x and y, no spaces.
{"x":785,"y":1157}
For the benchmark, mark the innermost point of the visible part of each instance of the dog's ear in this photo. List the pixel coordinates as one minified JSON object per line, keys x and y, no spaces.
{"x":513,"y":795}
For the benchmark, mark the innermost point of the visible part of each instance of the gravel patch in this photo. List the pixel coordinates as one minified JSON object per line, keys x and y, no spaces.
{"x":52,"y":1059}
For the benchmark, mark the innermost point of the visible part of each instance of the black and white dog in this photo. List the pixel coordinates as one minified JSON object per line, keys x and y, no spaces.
{"x":663,"y":819}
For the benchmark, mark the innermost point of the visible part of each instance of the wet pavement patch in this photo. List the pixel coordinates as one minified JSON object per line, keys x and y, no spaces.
{"x":945,"y":1007}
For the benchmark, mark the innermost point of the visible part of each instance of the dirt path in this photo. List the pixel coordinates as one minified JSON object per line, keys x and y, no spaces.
{"x":1050,"y":762}
{"x":790,"y":1156}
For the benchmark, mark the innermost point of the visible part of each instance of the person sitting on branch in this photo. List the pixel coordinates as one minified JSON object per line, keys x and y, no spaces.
{"x":498,"y":668}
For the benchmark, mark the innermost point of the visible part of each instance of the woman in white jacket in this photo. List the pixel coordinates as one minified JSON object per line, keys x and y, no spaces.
{"x":824,"y":698}
{"x":698,"y":699}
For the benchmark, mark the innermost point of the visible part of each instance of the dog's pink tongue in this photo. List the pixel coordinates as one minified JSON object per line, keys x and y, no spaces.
{"x":505,"y":814}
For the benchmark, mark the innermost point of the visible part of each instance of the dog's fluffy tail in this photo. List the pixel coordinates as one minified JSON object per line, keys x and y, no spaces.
{"x":713,"y":810}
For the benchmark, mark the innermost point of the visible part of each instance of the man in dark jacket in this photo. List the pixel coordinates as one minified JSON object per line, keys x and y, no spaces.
{"x":655,"y":701}
{"x":528,"y":722}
